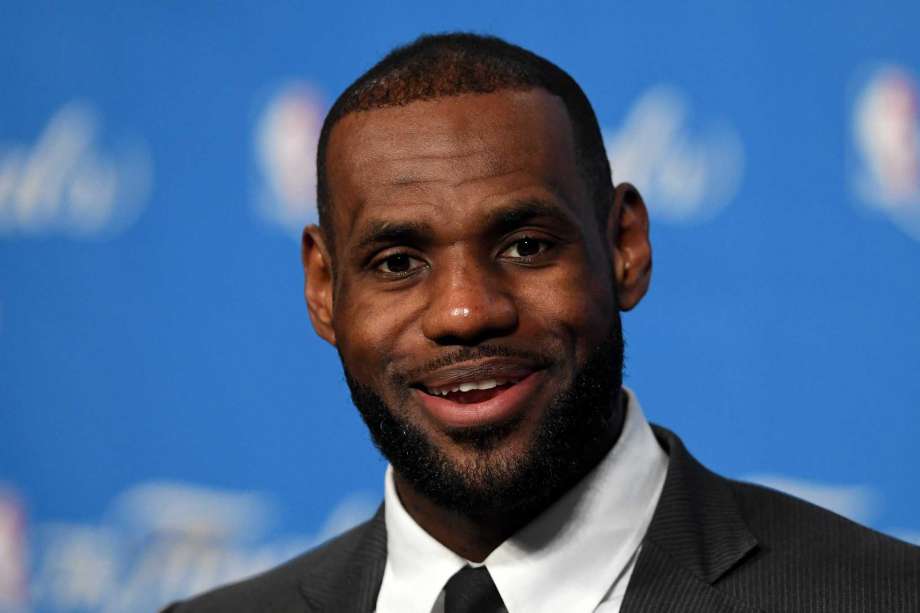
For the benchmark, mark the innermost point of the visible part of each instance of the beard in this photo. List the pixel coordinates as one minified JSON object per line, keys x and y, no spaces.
{"x":568,"y":442}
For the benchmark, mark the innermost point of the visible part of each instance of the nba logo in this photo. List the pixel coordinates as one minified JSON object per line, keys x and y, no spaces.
{"x":12,"y":552}
{"x":286,"y":138}
{"x":886,"y":136}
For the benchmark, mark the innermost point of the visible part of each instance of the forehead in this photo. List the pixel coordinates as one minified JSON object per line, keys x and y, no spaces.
{"x":450,"y":154}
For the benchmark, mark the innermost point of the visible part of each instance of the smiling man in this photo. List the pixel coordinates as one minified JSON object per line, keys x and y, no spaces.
{"x":471,"y":261}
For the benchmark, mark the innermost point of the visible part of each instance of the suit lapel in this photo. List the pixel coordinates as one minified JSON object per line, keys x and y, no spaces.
{"x":696,"y":536}
{"x":351,"y":581}
{"x":662,"y":585}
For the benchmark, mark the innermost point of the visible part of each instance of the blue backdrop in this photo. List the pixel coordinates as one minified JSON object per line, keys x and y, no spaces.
{"x":168,"y":420}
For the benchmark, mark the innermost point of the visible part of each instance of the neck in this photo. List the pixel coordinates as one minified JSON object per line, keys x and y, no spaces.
{"x":475,"y":537}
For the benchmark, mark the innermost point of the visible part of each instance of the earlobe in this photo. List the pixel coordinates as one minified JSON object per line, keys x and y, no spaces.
{"x":627,"y":236}
{"x":318,"y":282}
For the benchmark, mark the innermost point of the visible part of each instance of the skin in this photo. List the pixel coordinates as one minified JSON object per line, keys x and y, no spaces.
{"x":449,"y":168}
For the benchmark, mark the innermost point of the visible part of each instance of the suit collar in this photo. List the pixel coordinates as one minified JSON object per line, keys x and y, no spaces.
{"x":697,"y":520}
{"x":352,"y":581}
{"x":697,"y":535}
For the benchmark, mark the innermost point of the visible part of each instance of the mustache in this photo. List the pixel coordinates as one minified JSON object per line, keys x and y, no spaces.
{"x":468,"y":354}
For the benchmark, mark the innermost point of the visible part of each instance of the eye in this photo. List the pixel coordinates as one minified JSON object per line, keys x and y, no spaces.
{"x":398,"y":264}
{"x":525,"y":248}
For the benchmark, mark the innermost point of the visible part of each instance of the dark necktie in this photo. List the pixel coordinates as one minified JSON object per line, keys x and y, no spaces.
{"x":471,"y":590}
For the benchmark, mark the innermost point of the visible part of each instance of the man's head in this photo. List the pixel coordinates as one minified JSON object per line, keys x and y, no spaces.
{"x":471,"y":263}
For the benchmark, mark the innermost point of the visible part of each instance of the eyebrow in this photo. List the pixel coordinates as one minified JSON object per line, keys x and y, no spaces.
{"x":383,"y":232}
{"x":516,"y":214}
{"x":497,"y":222}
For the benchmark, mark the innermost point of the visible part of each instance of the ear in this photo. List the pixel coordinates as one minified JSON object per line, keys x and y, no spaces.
{"x":628,"y":242}
{"x":318,"y":281}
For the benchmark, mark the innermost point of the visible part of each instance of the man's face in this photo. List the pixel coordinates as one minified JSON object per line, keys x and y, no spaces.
{"x":473,"y":303}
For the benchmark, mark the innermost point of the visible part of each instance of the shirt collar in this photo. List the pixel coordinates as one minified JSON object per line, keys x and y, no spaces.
{"x":417,"y":565}
{"x":566,"y":559}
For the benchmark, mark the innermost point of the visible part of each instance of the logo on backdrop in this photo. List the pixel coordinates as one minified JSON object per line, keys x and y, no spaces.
{"x":685,"y":175}
{"x":160,"y":542}
{"x":286,"y":137}
{"x":12,"y":553}
{"x":66,"y":182}
{"x":886,"y":135}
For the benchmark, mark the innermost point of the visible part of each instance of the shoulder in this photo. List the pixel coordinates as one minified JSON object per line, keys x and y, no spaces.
{"x":785,"y":523}
{"x":773,"y":551}
{"x":810,"y":553}
{"x":279,"y":589}
{"x":777,"y":521}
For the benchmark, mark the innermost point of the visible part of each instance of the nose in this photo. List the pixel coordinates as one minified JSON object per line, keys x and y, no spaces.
{"x":468,"y":305}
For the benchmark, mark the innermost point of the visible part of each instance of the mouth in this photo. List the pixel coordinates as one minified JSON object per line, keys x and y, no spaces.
{"x":472,"y":392}
{"x":480,"y":394}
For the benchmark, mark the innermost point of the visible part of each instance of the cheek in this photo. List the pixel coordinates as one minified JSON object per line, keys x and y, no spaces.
{"x":576,"y":305}
{"x":578,"y":297}
{"x":369,"y":330}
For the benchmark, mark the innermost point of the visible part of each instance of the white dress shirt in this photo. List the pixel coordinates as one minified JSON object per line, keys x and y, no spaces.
{"x":577,"y":556}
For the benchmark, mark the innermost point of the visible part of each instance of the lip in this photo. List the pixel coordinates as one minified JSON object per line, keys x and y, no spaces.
{"x":490,"y":368}
{"x":510,"y":403}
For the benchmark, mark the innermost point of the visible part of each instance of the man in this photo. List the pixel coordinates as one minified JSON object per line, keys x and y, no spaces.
{"x":470,"y":263}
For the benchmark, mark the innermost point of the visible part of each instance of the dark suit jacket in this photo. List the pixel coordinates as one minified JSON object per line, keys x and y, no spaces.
{"x":714,"y":545}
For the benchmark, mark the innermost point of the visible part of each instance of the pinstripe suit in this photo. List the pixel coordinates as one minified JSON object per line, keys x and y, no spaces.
{"x":714,"y":545}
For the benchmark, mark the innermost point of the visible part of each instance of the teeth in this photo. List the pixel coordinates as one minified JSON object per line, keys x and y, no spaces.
{"x":485,"y":384}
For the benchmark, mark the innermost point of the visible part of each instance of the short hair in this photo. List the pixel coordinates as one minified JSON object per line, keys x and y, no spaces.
{"x":442,"y":65}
